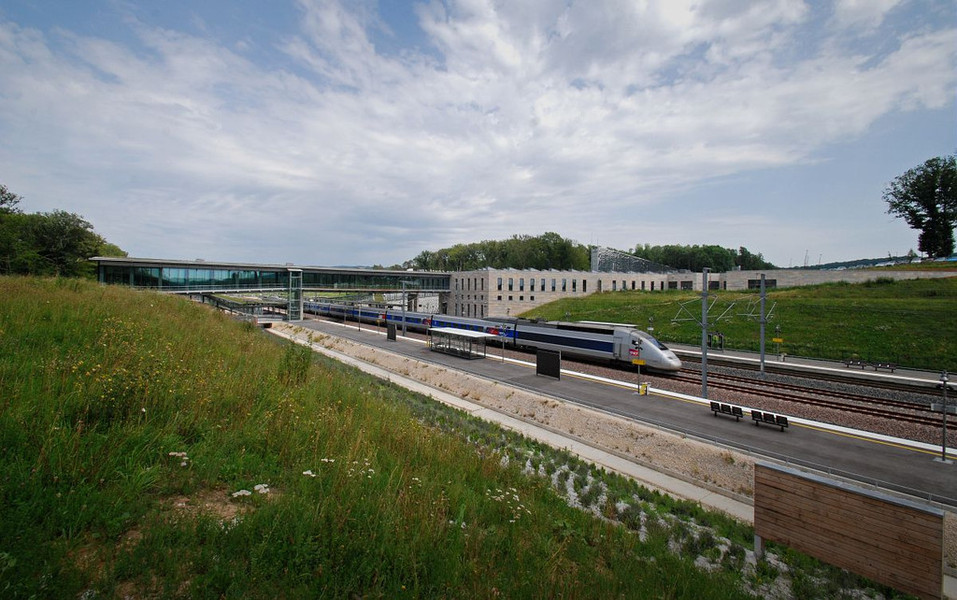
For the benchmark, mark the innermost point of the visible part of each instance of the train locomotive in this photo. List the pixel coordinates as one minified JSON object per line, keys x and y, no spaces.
{"x":619,"y":344}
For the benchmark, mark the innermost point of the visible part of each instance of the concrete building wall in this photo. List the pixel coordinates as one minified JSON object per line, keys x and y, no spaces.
{"x":503,"y":292}
{"x":742,"y":280}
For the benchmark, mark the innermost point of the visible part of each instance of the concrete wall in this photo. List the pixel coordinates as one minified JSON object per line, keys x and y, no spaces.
{"x":494,"y":292}
{"x":738,"y":280}
{"x":502,"y":292}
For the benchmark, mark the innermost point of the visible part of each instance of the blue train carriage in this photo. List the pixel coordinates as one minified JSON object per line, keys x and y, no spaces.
{"x":621,"y":344}
{"x":612,"y":342}
{"x":657,"y":356}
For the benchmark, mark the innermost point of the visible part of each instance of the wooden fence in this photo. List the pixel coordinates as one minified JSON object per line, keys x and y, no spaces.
{"x":886,"y":539}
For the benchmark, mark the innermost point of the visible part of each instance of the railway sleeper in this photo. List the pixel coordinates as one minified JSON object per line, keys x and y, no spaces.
{"x":759,"y":417}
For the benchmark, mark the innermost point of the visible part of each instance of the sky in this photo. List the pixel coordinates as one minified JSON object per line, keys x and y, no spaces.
{"x":362,"y":132}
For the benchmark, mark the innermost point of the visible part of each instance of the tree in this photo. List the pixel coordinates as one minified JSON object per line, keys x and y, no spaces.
{"x":926,"y":197}
{"x":8,"y":201}
{"x":57,"y":243}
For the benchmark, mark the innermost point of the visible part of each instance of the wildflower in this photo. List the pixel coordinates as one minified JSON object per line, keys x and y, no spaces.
{"x":309,"y":473}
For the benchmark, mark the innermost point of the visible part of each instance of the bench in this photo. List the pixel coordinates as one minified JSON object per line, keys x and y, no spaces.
{"x":760,"y":416}
{"x":727,"y":409}
{"x":854,"y":363}
{"x":884,"y":365}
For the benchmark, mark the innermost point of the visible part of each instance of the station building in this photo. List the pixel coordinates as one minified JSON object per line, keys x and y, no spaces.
{"x":479,"y":293}
{"x":502,"y":292}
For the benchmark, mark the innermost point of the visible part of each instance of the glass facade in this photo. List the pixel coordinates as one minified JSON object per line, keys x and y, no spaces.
{"x":193,"y":277}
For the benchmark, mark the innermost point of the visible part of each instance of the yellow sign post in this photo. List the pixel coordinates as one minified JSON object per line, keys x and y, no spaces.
{"x":642,"y":387}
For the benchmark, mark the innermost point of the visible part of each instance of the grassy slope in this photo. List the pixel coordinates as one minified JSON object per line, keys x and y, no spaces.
{"x":98,"y":385}
{"x":911,"y":323}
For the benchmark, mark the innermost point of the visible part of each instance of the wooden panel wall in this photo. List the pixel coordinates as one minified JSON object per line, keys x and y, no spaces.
{"x":891,"y":541}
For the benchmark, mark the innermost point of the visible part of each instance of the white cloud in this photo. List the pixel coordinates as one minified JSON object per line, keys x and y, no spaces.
{"x":866,"y":14}
{"x":514,"y":118}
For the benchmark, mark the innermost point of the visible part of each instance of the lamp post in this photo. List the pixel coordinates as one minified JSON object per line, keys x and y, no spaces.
{"x":403,"y":307}
{"x":943,"y":436}
{"x":763,"y":322}
{"x":404,"y":302}
{"x":704,"y":332}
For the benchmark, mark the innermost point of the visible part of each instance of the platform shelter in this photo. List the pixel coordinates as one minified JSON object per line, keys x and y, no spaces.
{"x":459,"y":342}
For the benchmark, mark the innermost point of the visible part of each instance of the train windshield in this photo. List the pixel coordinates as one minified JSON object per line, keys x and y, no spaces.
{"x":652,"y":339}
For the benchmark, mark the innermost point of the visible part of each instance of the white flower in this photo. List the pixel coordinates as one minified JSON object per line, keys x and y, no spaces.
{"x":262,"y":488}
{"x":242,"y":493}
{"x":309,"y":473}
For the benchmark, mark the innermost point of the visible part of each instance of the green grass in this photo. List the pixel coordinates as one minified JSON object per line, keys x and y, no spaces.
{"x":100,"y":384}
{"x":910,"y":323}
{"x":129,"y":421}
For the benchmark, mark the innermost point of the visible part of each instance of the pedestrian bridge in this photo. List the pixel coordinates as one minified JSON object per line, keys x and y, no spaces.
{"x":198,"y":277}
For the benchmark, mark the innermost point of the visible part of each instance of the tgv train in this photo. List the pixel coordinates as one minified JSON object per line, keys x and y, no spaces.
{"x":622,"y":344}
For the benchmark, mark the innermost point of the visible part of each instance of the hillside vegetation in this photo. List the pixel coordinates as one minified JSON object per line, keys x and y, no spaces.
{"x":910,"y":323}
{"x":152,"y":448}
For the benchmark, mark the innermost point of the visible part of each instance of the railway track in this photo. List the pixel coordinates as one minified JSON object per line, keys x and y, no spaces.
{"x":899,"y":410}
{"x":771,"y":367}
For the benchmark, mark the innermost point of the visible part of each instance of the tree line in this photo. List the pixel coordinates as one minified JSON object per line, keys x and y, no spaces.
{"x":546,"y":251}
{"x":695,"y":258}
{"x":58,"y":243}
{"x":552,"y":251}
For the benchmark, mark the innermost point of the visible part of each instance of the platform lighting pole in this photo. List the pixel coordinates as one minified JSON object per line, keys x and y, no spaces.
{"x":943,"y":442}
{"x":404,"y":302}
{"x":763,"y":322}
{"x":403,"y":308}
{"x":704,"y":333}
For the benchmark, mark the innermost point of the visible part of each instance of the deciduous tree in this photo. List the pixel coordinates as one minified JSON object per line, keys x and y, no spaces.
{"x":926,"y":197}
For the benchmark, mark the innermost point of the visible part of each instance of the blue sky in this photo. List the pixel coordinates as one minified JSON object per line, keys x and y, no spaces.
{"x":326,"y":132}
